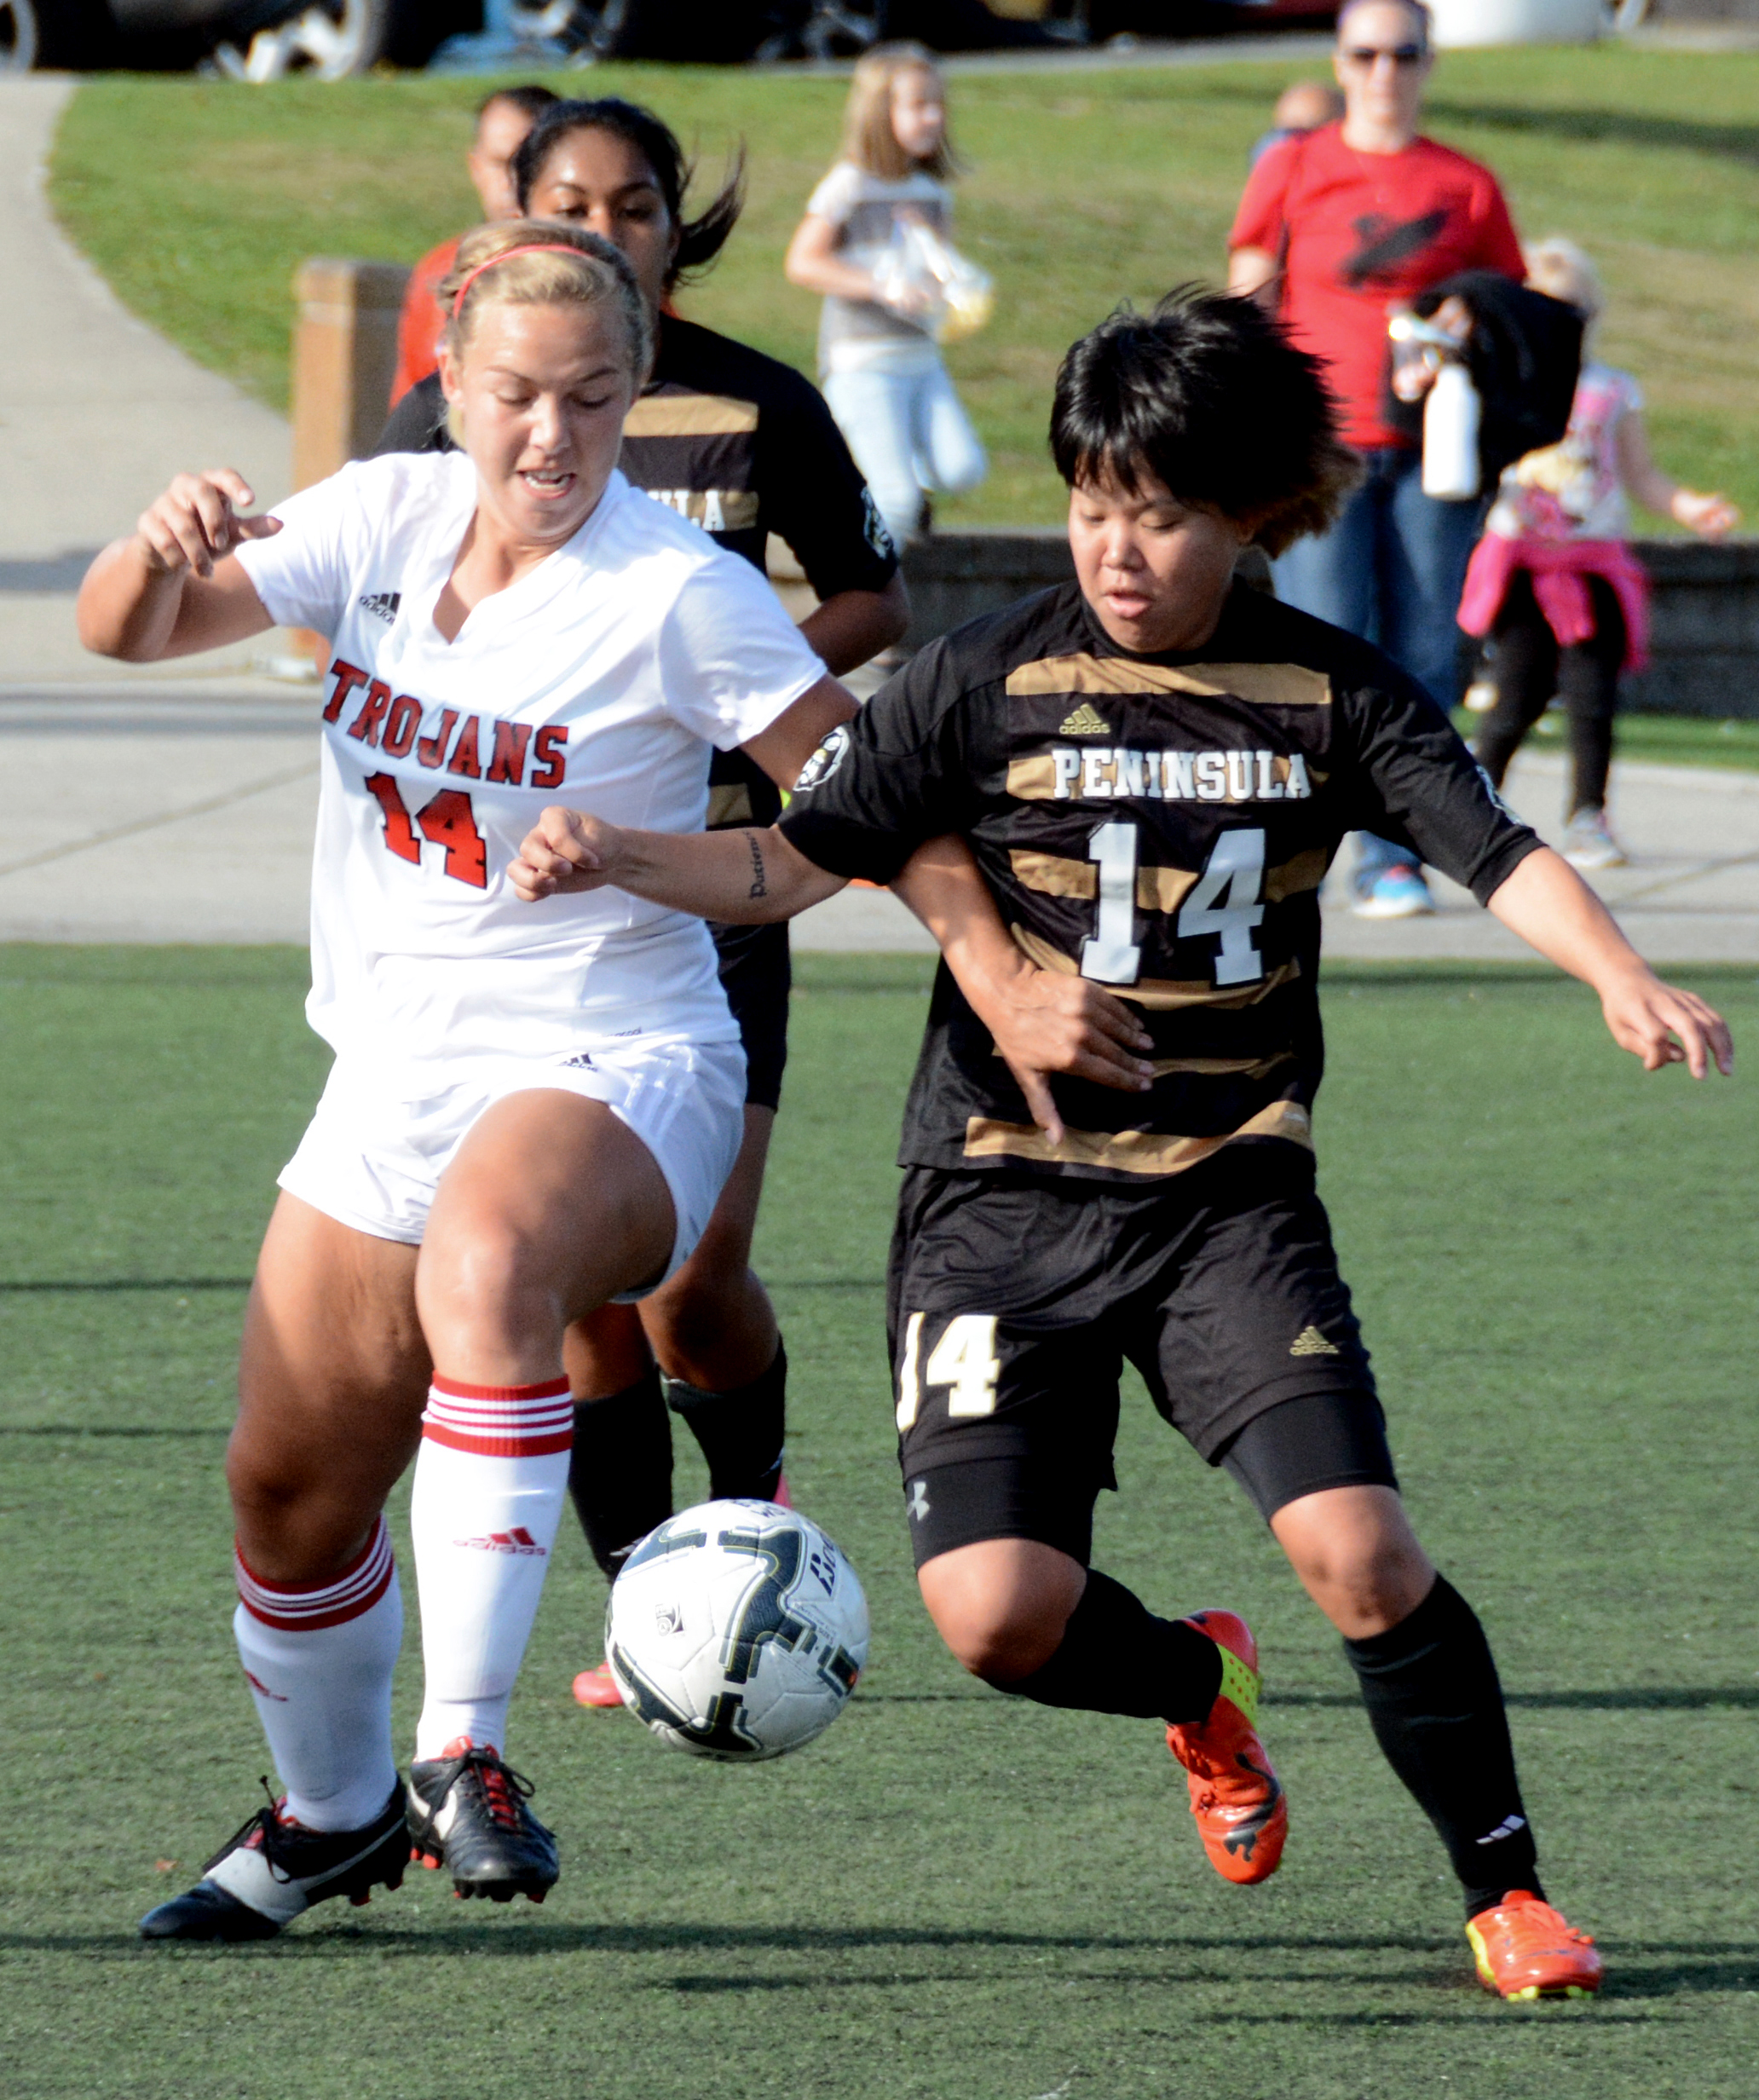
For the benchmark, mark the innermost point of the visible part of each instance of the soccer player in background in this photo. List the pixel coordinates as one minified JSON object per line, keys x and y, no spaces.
{"x":744,"y":446}
{"x":502,"y":123}
{"x":1153,"y":767}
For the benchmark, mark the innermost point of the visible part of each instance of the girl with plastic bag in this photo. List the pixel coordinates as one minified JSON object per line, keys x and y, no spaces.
{"x":1553,"y":582}
{"x":873,"y":241}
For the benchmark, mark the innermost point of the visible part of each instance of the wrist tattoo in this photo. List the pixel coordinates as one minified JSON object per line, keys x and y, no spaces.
{"x":759,"y":888}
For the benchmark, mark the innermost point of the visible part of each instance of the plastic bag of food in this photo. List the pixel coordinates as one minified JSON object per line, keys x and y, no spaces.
{"x":926,"y":281}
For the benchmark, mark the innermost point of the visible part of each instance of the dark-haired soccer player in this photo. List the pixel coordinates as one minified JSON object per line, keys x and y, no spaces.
{"x":1153,"y":769}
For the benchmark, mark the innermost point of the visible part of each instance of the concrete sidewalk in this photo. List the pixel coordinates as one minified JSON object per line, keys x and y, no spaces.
{"x":184,"y":813}
{"x":97,"y":413}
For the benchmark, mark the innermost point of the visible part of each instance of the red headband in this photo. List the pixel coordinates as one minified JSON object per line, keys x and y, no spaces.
{"x":537,"y":247}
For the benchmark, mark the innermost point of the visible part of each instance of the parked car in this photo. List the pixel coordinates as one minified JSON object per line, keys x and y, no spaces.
{"x":261,"y":39}
{"x":333,"y":38}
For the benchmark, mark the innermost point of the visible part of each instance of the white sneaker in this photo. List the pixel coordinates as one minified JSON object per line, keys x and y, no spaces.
{"x":1589,"y":843}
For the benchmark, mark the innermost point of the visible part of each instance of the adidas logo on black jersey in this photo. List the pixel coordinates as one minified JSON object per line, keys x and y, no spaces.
{"x":1086,"y":721}
{"x":382,"y":602}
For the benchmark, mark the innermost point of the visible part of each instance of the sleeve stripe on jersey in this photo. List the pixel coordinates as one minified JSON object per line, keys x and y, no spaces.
{"x":1260,"y":685}
{"x":1158,"y":992}
{"x":690,"y":415}
{"x":1129,"y":1152}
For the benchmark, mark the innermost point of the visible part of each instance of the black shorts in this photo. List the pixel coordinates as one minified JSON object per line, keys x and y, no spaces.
{"x":756,"y":975}
{"x":1013,"y":1302}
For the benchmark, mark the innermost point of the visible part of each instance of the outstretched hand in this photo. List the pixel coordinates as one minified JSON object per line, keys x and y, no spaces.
{"x":195,"y":523}
{"x":1663,"y":1025}
{"x":1044,"y":1023}
{"x":564,"y":851}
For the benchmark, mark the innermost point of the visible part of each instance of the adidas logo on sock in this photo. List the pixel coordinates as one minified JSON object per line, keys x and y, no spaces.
{"x":1506,"y":1828}
{"x":518,"y":1540}
{"x":1086,"y":721}
{"x":1310,"y":1342}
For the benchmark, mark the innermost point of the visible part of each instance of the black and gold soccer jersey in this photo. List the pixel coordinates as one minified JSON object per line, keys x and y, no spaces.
{"x":1160,"y":825}
{"x":743,"y":446}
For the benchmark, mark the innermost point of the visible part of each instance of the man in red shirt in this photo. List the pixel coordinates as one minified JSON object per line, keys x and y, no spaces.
{"x":1336,"y":230}
{"x":502,"y":123}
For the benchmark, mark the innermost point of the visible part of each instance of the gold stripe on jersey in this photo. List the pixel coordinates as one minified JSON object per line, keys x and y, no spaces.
{"x":1033,"y":779}
{"x":1159,"y":993}
{"x":1163,"y":889}
{"x":1052,"y":876}
{"x":1307,"y":871}
{"x":1218,"y":1068}
{"x":1128,"y":1152}
{"x":730,"y":806}
{"x":690,"y":415}
{"x":1260,"y":685}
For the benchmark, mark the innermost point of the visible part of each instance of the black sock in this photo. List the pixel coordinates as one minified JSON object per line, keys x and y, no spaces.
{"x":1431,"y":1690}
{"x":619,"y":1471}
{"x":1117,"y":1657}
{"x":741,"y":1431}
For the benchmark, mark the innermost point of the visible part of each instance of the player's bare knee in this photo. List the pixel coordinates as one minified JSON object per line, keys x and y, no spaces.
{"x":487,"y":1280}
{"x":714,"y":1328}
{"x":998,"y":1638}
{"x":289,"y":1527}
{"x":1002,"y":1653}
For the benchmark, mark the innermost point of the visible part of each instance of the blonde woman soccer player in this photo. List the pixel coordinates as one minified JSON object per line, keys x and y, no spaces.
{"x":531,"y":1113}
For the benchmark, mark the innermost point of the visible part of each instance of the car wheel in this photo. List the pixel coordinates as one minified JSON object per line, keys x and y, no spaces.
{"x":335,"y":39}
{"x":35,"y":33}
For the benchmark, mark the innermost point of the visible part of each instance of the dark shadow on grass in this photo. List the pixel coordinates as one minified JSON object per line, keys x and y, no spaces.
{"x":1613,"y":127}
{"x":520,"y":1933}
{"x":70,"y":1428}
{"x":1487,"y":2013}
{"x":126,"y":1282}
{"x":1621,"y":1700}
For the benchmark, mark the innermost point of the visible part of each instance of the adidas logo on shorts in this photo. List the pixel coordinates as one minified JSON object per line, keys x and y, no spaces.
{"x":384,"y":603}
{"x":1310,"y":1342}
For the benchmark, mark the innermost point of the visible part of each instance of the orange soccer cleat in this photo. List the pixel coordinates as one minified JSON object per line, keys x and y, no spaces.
{"x":597,"y":1688}
{"x":1525,"y":1949}
{"x":1241,"y":1810}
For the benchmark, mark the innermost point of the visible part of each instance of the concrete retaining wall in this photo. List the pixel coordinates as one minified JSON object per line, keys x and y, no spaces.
{"x":1706,"y":641}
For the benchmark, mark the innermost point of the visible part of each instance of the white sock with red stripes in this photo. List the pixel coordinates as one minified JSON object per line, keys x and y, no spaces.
{"x":319,"y":1657}
{"x":490,"y":1484}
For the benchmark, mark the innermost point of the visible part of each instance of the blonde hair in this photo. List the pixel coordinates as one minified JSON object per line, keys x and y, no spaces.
{"x":595,"y":274}
{"x":1563,"y":271}
{"x":869,"y":139}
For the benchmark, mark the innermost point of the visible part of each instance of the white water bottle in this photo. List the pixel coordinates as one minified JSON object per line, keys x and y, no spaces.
{"x":1451,"y":421}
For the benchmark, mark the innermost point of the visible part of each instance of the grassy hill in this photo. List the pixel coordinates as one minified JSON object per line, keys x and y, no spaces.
{"x":197,"y":199}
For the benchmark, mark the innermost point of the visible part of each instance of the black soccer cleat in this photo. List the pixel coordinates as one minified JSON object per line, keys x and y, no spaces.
{"x":467,"y":1814}
{"x":273,"y":1869}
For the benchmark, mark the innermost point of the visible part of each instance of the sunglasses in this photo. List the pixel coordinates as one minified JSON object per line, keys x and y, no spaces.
{"x":1401,"y":54}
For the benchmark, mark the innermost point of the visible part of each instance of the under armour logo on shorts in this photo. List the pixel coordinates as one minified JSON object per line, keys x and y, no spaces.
{"x":919,"y":1500}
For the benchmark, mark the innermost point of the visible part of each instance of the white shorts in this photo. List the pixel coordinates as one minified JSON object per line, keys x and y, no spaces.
{"x":373,"y":1155}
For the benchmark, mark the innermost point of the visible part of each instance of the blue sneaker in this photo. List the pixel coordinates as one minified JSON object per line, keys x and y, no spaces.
{"x":1397,"y":892}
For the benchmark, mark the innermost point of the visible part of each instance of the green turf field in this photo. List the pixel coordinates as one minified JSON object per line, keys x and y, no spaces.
{"x":951,"y":1897}
{"x":197,"y":199}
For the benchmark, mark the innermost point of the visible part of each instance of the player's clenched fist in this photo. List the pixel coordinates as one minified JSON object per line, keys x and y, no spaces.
{"x":564,"y":851}
{"x":196,"y":523}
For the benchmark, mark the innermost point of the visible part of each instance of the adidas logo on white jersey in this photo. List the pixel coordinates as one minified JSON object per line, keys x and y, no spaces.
{"x":385,"y":604}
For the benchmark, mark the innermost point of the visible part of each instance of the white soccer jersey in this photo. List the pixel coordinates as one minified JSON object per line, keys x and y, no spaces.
{"x":601,"y":679}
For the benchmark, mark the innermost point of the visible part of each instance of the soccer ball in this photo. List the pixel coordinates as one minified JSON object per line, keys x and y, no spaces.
{"x":737,"y":1631}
